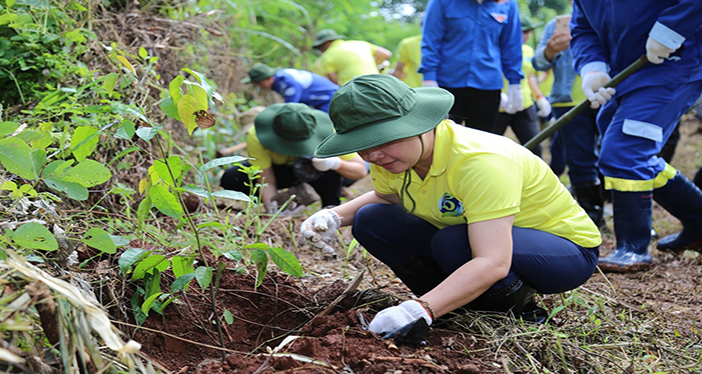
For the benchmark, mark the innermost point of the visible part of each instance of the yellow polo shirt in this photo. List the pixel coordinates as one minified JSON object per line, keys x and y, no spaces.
{"x":265,"y":158}
{"x":409,"y":52}
{"x":477,"y":176}
{"x":348,"y":59}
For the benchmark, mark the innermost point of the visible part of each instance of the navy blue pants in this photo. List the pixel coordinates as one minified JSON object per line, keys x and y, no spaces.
{"x":576,"y":145}
{"x":547,"y":262}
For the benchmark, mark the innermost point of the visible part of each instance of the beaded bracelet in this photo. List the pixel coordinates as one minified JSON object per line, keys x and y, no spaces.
{"x":428,"y":308}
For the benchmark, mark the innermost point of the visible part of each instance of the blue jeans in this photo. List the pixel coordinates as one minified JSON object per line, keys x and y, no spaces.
{"x":549,"y":263}
{"x":576,"y":145}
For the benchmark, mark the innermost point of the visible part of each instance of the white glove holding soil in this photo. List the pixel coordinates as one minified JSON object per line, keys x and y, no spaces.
{"x":326,"y":164}
{"x":320,"y":228}
{"x":396,"y":317}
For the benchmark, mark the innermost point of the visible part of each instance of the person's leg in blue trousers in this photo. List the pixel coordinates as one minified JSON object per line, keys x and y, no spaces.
{"x":580,"y":139}
{"x":635,"y":125}
{"x":547,"y":262}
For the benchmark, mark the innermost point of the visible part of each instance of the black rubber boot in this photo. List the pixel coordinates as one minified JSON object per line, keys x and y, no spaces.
{"x":518,"y":299}
{"x":591,"y":199}
{"x":632,"y":228}
{"x":419,"y":274}
{"x":681,"y":198}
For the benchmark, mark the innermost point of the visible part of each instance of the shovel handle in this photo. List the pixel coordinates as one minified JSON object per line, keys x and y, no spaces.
{"x":569,"y":115}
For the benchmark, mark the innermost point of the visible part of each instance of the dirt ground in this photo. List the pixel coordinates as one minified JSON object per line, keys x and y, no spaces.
{"x":291,"y":325}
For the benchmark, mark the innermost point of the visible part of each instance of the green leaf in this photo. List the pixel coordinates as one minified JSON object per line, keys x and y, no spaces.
{"x":150,"y":263}
{"x":234,"y":195}
{"x":143,"y":53}
{"x":199,"y":191}
{"x":74,"y":190}
{"x":187,"y":106}
{"x":149,"y":302}
{"x":170,"y":108}
{"x":261,"y":246}
{"x":221,"y":161}
{"x":198,"y":93}
{"x":99,"y":239}
{"x":119,"y":241}
{"x":166,"y":202}
{"x":182,"y":282}
{"x":182,"y":265}
{"x":15,"y":157}
{"x":84,"y":142}
{"x":109,"y":82}
{"x":233,"y":255}
{"x":203,"y":274}
{"x":139,"y":316}
{"x":38,"y":157}
{"x":9,"y":3}
{"x":260,"y":259}
{"x":147,"y":133}
{"x":8,"y":128}
{"x":127,"y":130}
{"x":174,"y":88}
{"x":228,"y":317}
{"x":130,"y":257}
{"x":35,"y":236}
{"x":175,"y":164}
{"x":143,"y":210}
{"x":286,"y":261}
{"x":88,"y":173}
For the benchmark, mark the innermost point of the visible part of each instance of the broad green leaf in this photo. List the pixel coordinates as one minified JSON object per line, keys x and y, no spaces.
{"x":100,"y":240}
{"x":8,"y":186}
{"x":198,"y":93}
{"x":143,"y":53}
{"x":74,"y":190}
{"x":233,"y":255}
{"x":84,"y":142}
{"x":175,"y":164}
{"x":174,"y":88}
{"x":149,"y":302}
{"x":166,"y":202}
{"x":7,"y":18}
{"x":203,"y":274}
{"x":182,"y":282}
{"x":182,"y":265}
{"x":199,"y":191}
{"x":187,"y":106}
{"x":168,"y":105}
{"x":76,"y":36}
{"x":261,"y":246}
{"x":203,"y":82}
{"x":149,"y":264}
{"x":127,"y":64}
{"x":143,"y":210}
{"x":119,"y":241}
{"x":8,"y":128}
{"x":15,"y":157}
{"x":38,"y":157}
{"x":221,"y":161}
{"x":147,"y":133}
{"x":130,"y":257}
{"x":234,"y":195}
{"x":127,"y":130}
{"x":9,"y":3}
{"x":152,"y":283}
{"x":33,"y":235}
{"x":228,"y":317}
{"x":109,"y":82}
{"x":87,"y":173}
{"x":286,"y":261}
{"x":260,"y":259}
{"x":139,"y":316}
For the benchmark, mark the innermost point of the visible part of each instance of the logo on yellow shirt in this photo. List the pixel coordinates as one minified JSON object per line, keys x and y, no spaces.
{"x":450,"y":206}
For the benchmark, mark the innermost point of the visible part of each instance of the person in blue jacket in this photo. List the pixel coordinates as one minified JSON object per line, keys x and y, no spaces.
{"x":467,"y":48}
{"x":296,"y":86}
{"x":578,"y":138}
{"x":637,"y":118}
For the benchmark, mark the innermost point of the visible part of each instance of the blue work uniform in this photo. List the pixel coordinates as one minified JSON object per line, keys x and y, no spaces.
{"x":608,"y":36}
{"x":299,"y":86}
{"x":466,"y":44}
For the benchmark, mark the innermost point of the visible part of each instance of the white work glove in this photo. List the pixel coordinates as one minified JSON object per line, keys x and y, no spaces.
{"x":656,"y":52}
{"x":430,"y":84}
{"x":503,"y":101}
{"x":544,"y":106}
{"x":326,"y":164}
{"x":396,"y":317}
{"x":320,"y":228}
{"x":515,"y":101}
{"x":593,"y":90}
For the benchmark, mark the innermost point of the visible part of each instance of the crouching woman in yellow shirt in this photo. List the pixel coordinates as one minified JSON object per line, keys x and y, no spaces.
{"x":463,"y":217}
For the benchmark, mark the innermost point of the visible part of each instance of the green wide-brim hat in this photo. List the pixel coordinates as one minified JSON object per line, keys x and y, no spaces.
{"x":259,"y":72}
{"x":292,"y":129}
{"x":375,"y":109}
{"x":324,"y":36}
